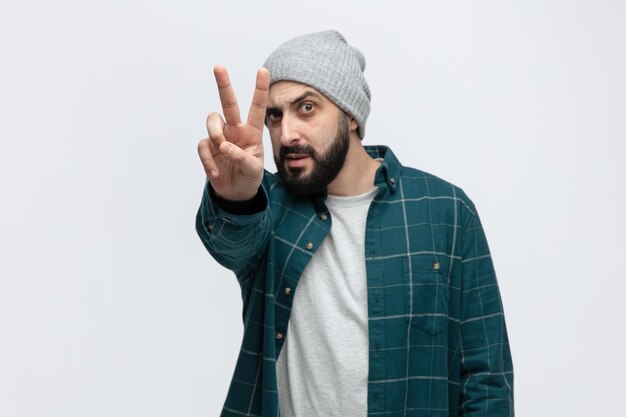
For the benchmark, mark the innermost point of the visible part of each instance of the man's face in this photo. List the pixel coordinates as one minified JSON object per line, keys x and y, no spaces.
{"x":310,"y":136}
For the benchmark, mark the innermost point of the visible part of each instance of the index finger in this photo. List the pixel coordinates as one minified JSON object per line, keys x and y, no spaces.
{"x":256,"y":115}
{"x":227,"y":96}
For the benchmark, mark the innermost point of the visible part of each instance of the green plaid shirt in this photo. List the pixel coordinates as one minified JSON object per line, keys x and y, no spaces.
{"x":437,"y":338}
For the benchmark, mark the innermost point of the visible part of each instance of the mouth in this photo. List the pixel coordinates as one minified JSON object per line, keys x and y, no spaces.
{"x":295,"y":160}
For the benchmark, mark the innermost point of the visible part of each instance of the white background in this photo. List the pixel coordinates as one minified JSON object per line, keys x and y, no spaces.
{"x":109,"y":303}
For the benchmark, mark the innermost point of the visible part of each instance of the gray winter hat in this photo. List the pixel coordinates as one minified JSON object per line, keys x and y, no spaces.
{"x":326,"y":62}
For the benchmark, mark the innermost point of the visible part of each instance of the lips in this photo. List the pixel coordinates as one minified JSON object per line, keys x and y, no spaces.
{"x":296,"y":159}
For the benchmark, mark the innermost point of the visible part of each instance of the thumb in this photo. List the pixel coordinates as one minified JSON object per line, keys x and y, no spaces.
{"x":251,"y":166}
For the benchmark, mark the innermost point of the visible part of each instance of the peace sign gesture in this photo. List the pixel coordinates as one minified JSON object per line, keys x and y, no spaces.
{"x":232,"y":155}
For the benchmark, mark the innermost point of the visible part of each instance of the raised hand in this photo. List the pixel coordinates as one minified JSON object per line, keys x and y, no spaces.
{"x":232,"y":155}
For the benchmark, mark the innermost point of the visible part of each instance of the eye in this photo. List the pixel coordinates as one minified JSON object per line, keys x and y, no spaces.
{"x":306,"y":107}
{"x":273,"y":115}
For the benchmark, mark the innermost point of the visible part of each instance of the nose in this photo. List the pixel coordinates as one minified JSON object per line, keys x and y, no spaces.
{"x":289,"y":132}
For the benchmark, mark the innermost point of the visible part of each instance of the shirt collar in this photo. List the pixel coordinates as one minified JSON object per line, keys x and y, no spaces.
{"x":390,"y":168}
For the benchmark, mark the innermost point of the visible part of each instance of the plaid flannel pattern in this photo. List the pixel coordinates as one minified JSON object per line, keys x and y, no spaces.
{"x":438,"y":344}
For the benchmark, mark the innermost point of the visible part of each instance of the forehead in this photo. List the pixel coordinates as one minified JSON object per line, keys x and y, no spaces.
{"x":282,"y":93}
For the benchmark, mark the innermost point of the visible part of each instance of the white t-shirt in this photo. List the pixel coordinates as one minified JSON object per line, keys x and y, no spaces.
{"x":322,"y":369}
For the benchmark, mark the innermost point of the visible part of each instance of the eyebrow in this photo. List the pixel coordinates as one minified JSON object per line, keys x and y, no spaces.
{"x":305,"y":95}
{"x":296,"y":100}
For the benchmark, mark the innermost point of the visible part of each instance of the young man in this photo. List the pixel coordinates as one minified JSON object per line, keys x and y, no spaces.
{"x":368,"y":287}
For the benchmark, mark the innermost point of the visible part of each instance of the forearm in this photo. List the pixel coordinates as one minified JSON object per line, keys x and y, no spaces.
{"x":234,"y":239}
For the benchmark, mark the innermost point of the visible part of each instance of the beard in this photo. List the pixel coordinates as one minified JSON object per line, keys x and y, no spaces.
{"x":326,"y":166}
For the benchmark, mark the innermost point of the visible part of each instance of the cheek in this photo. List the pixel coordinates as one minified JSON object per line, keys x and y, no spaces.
{"x":275,"y":146}
{"x":327,"y":138}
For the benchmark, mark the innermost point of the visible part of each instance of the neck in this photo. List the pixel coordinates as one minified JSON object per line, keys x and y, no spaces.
{"x":357,"y":175}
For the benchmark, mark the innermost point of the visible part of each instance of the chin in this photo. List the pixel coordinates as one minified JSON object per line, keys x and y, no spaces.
{"x":298,"y":172}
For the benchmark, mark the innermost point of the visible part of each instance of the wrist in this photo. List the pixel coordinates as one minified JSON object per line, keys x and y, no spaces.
{"x":250,"y":205}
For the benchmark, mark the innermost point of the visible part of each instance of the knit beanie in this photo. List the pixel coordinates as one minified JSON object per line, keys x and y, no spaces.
{"x":326,"y":62}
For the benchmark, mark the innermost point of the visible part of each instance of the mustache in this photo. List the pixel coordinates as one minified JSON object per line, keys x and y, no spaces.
{"x":297,"y":149}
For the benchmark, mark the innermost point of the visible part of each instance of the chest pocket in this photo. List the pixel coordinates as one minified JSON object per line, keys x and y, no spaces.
{"x":426,"y":298}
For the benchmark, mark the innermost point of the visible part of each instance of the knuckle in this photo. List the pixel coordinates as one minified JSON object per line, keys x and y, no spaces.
{"x":203,"y":145}
{"x":213,"y":117}
{"x":215,"y":132}
{"x":204,"y":148}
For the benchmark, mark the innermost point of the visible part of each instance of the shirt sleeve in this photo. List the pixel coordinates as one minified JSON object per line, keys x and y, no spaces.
{"x":236,"y":241}
{"x":486,"y":365}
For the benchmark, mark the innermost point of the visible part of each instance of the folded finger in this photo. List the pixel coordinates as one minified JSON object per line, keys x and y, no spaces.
{"x":251,"y":166}
{"x":205,"y":151}
{"x":215,"y":128}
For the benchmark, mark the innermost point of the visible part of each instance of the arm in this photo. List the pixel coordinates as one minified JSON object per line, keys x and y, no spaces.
{"x":236,"y":241}
{"x":232,"y":157}
{"x":486,"y":365}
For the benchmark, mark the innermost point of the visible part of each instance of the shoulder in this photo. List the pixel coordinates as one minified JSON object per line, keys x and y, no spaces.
{"x":442,"y":194}
{"x":270,"y":180}
{"x":277,"y":196}
{"x":273,"y":187}
{"x":417,"y":185}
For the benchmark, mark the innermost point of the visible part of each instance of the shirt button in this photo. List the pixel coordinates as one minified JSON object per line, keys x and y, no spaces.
{"x":287,"y":290}
{"x":309,"y":246}
{"x":279,"y":335}
{"x":209,"y":226}
{"x":436,"y":265}
{"x":391,"y":180}
{"x":324,"y":217}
